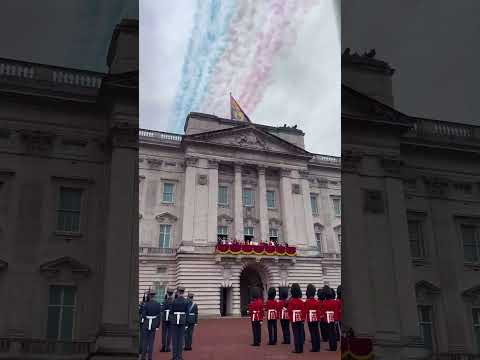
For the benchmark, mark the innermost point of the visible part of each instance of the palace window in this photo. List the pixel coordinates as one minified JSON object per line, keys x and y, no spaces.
{"x":318,"y":229}
{"x":165,"y":235}
{"x":159,"y":292}
{"x":248,"y":233}
{"x":273,"y":235}
{"x":68,"y":210}
{"x":426,"y":325}
{"x":337,"y":206}
{"x":314,"y":203}
{"x":168,"y":193}
{"x":476,"y":327}
{"x":247,"y":197}
{"x":471,"y":243}
{"x":415,"y":237}
{"x":61,"y":313}
{"x":270,"y":199}
{"x":222,"y":233}
{"x":223,"y":195}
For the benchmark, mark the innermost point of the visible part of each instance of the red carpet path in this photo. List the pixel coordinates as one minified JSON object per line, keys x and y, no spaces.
{"x":230,"y":339}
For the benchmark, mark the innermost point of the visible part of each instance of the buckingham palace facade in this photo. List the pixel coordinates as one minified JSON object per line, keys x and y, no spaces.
{"x":226,"y":181}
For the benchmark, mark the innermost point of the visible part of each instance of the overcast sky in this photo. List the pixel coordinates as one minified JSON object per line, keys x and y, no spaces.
{"x":432,"y":44}
{"x":297,"y":82}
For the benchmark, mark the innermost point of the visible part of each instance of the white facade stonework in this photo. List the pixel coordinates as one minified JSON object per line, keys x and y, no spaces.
{"x":218,"y":152}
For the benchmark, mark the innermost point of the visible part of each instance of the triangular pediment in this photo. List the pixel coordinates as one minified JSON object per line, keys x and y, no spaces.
{"x":65,"y":262}
{"x":362,"y":107}
{"x":248,"y":137}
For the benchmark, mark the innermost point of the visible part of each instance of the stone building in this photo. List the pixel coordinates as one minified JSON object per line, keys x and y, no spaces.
{"x":411,"y":197}
{"x":68,"y":218}
{"x":230,"y":180}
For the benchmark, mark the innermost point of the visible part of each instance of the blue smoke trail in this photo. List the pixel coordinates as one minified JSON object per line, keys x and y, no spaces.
{"x":208,"y":41}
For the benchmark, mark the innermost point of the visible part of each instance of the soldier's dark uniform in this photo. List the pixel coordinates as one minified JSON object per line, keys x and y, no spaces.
{"x":178,"y":322}
{"x":166,"y":318}
{"x":322,"y":322}
{"x":140,"y":320}
{"x":151,"y":314}
{"x":192,"y":320}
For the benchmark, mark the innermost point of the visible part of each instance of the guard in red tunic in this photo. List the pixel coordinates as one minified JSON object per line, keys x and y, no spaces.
{"x":322,"y":322}
{"x":312,"y":307}
{"x":255,"y":310}
{"x":272,"y":316}
{"x":330,"y":308}
{"x":296,"y":314}
{"x":339,"y":308}
{"x":283,"y":314}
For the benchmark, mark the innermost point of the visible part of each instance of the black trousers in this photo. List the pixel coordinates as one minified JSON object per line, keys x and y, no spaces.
{"x":332,"y":337}
{"x":314,"y":335}
{"x":189,"y":336}
{"x":166,"y":336}
{"x":323,"y":330}
{"x":178,"y":337}
{"x":148,"y":340}
{"x":257,"y":332}
{"x":298,"y":336}
{"x":285,"y":331}
{"x":272,"y":332}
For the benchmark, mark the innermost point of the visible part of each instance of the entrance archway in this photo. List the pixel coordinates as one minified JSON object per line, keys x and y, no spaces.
{"x":250,"y":277}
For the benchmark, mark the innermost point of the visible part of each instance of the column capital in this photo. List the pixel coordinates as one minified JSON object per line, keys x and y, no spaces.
{"x":191,"y":161}
{"x":285,"y":172}
{"x":261,"y":169}
{"x":213,"y":163}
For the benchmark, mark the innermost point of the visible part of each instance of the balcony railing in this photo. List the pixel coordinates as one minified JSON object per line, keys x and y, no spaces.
{"x":436,"y":128}
{"x":156,"y":250}
{"x":22,"y":71}
{"x":244,"y":249}
{"x":160,"y":135}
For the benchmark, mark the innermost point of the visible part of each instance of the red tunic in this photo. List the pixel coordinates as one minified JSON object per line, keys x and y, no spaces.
{"x":271,"y":309}
{"x":282,"y":309}
{"x":255,"y":309}
{"x":339,"y":308}
{"x":321,"y":311}
{"x":296,"y":310}
{"x":311,"y":309}
{"x":332,"y":307}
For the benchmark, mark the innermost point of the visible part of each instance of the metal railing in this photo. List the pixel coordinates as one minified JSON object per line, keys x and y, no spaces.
{"x":22,"y":70}
{"x":160,"y":135}
{"x":144,"y":250}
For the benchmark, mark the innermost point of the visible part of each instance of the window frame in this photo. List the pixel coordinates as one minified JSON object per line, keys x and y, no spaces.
{"x":420,"y":242}
{"x":164,"y":183}
{"x":170,"y":227}
{"x":251,"y":191}
{"x":274,"y":199}
{"x":61,"y":307}
{"x":476,"y":327}
{"x":336,"y":198}
{"x":59,"y":210}
{"x":431,"y":323}
{"x":314,"y":200}
{"x":249,"y":227}
{"x":226,"y":203}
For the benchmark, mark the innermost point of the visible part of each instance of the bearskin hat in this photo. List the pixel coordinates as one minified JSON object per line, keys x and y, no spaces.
{"x":272,"y":292}
{"x":296,"y":291}
{"x":339,"y":291}
{"x":283,"y":293}
{"x":311,"y":291}
{"x":320,"y":294}
{"x":328,"y":292}
{"x":255,"y":292}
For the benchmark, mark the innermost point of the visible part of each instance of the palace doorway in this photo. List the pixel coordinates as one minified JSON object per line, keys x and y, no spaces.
{"x":249,"y":278}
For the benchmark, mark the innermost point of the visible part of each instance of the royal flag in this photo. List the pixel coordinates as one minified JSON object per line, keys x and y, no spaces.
{"x":236,"y":112}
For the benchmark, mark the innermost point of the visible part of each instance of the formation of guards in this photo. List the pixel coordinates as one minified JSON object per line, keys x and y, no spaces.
{"x":177,"y":316}
{"x":322,"y":315}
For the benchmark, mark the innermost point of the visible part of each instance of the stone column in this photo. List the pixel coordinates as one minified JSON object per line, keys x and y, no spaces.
{"x":212,"y":200}
{"x":188,"y":196}
{"x":238,"y":202}
{"x":307,"y":209}
{"x":120,"y":286}
{"x":262,"y":203}
{"x":286,"y":201}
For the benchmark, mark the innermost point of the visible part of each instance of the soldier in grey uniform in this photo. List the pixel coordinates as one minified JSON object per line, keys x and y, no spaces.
{"x":166,"y":317}
{"x":192,"y":320}
{"x":151,"y":313}
{"x":178,"y":322}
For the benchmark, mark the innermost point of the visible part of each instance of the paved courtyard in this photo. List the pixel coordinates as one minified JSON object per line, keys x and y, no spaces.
{"x":230,"y":339}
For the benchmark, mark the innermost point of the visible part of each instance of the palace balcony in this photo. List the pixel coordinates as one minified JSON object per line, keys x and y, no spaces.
{"x":244,"y":249}
{"x":143,"y":250}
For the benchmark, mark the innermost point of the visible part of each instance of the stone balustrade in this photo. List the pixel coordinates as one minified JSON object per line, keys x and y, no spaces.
{"x":327,"y":159}
{"x":144,"y":250}
{"x":444,"y":129}
{"x":159,"y":135}
{"x":21,"y":71}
